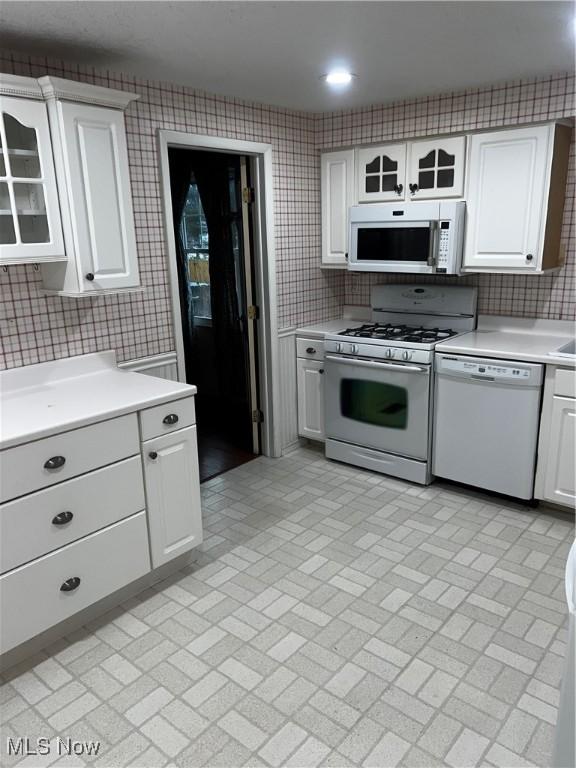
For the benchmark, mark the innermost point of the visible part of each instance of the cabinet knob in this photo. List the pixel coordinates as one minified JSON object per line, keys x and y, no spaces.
{"x":55,"y":462}
{"x":398,"y":188}
{"x":529,"y":257}
{"x":310,"y":351}
{"x":413,"y":188}
{"x":70,"y":584}
{"x":172,"y":418}
{"x":62,"y":518}
{"x":90,"y":276}
{"x":346,"y":255}
{"x":321,"y":370}
{"x":153,"y":455}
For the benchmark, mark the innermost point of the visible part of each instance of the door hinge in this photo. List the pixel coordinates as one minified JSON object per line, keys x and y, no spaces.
{"x":253,"y":312}
{"x":257,"y":417}
{"x":248,"y":195}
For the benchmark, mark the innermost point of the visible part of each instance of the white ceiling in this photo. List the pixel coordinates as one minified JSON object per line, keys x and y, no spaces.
{"x":274,"y":52}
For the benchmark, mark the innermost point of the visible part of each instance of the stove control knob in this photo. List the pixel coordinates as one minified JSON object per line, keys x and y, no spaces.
{"x":355,"y":349}
{"x":406,"y":355}
{"x":338,"y":347}
{"x":389,"y":353}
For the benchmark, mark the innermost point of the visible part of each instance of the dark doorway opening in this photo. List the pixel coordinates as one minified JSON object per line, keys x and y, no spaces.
{"x":211,"y":206}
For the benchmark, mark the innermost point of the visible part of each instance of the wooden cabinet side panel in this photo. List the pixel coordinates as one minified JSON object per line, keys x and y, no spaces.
{"x":552,"y":255}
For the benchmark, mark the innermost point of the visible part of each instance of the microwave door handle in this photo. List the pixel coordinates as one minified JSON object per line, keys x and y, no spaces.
{"x":374,"y":364}
{"x":433,"y":251}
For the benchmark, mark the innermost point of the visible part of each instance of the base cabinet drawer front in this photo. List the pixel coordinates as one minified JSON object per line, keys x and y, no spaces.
{"x":172,"y":494}
{"x":163,"y":419}
{"x":42,"y":463}
{"x":39,"y":595}
{"x":312,"y":349}
{"x":565,"y":382}
{"x":43,"y":521}
{"x":560,"y":478}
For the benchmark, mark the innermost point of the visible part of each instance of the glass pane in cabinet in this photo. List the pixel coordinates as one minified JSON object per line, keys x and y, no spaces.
{"x":31,"y":210}
{"x":428,"y":161}
{"x":426,"y":179}
{"x":33,"y":229}
{"x":388,"y":182}
{"x":7,"y":233}
{"x":2,"y":164}
{"x":374,"y":166}
{"x":446,"y":177}
{"x":444,"y":158}
{"x":19,"y":136}
{"x":372,"y":183}
{"x":25,"y":167}
{"x":388,"y":165}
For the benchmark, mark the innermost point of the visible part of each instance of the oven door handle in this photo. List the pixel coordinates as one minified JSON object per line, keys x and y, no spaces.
{"x":400,"y":368}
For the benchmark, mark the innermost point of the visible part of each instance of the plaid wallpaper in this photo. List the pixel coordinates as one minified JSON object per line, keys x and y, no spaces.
{"x":35,"y":328}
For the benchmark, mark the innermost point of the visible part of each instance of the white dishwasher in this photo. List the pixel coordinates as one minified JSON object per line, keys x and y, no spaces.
{"x":486,"y":417}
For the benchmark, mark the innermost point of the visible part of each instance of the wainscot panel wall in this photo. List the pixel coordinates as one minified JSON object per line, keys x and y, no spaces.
{"x":35,"y":328}
{"x":551,"y":296}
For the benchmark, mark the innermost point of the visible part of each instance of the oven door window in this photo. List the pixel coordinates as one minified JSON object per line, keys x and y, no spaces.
{"x":371,"y":402}
{"x":394,"y":244}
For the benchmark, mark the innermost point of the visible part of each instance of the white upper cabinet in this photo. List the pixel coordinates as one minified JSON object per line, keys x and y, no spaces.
{"x":89,"y":143}
{"x":337,"y":194}
{"x":381,"y":173}
{"x":30,"y":226}
{"x":436,"y":168}
{"x":515,"y":199}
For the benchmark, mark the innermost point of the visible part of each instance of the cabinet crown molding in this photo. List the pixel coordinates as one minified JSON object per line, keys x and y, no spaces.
{"x":16,"y":85}
{"x":54,"y":88}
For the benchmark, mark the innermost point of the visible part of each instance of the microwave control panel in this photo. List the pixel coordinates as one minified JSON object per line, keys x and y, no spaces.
{"x":443,"y":247}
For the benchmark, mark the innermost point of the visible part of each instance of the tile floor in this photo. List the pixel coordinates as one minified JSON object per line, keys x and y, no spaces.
{"x":334,"y":618}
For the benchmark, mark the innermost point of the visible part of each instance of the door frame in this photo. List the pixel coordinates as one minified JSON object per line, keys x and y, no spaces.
{"x":264,"y":262}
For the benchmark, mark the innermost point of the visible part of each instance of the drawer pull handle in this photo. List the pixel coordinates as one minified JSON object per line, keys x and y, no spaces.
{"x":310,"y":351}
{"x":70,"y":584}
{"x":55,"y":462}
{"x":62,"y":518}
{"x":172,"y":418}
{"x":153,"y":455}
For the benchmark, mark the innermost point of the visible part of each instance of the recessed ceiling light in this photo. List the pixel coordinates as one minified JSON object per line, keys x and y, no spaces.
{"x":338,"y":77}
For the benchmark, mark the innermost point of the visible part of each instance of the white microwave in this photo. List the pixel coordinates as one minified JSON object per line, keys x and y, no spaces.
{"x":425,"y":238}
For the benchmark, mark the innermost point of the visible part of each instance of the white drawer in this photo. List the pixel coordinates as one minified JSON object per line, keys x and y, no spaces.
{"x":31,"y":598}
{"x":163,"y":419}
{"x":24,"y":469}
{"x":43,"y":521}
{"x":565,"y":382}
{"x":313,"y":349}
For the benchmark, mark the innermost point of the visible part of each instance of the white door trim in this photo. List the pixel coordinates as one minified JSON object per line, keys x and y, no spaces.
{"x":265,"y":262}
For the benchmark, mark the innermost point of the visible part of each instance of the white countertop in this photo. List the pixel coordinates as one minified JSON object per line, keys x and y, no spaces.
{"x":531,"y":341}
{"x":320,"y":330}
{"x":40,"y":400}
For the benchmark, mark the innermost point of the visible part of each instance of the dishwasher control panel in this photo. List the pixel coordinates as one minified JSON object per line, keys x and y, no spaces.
{"x":489,"y":369}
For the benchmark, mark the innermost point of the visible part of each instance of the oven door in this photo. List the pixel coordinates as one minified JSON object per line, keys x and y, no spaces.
{"x":378,"y":404}
{"x":393,"y":247}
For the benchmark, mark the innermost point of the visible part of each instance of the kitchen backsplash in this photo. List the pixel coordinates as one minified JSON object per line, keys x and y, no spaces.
{"x":35,"y":328}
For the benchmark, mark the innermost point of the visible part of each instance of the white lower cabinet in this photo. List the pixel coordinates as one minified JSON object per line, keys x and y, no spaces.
{"x":172,"y":494}
{"x":556,"y":470}
{"x":54,"y":587}
{"x":310,"y":398}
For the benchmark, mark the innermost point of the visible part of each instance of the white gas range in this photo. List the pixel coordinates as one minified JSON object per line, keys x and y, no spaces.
{"x":378,"y":386}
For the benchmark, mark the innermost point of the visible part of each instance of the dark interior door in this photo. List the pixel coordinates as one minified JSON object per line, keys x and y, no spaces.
{"x":209,"y":229}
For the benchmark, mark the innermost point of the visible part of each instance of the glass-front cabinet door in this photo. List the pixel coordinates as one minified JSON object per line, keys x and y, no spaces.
{"x":436,"y":168}
{"x":381,"y":173}
{"x":30,"y":226}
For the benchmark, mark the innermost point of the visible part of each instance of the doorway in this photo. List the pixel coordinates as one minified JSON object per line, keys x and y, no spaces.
{"x":212,"y":200}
